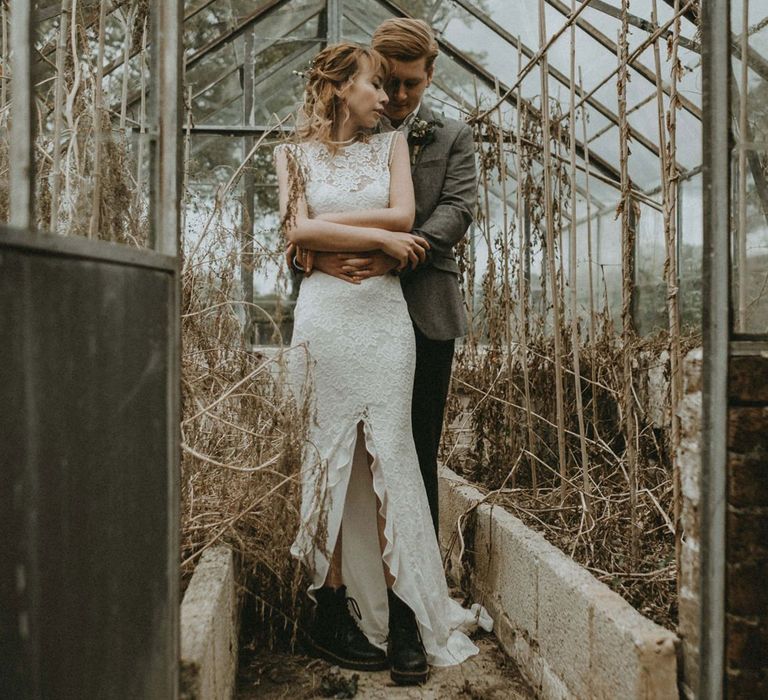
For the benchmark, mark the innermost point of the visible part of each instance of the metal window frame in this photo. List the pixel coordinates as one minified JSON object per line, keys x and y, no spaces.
{"x":592,"y":101}
{"x":637,"y":65}
{"x":716,"y":331}
{"x":22,"y":161}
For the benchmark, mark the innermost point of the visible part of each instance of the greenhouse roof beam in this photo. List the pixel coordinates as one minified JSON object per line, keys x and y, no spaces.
{"x":53,"y":9}
{"x":642,"y":69}
{"x":689,"y":14}
{"x":235,"y":31}
{"x":641,"y":23}
{"x":205,"y":5}
{"x":555,"y":73}
{"x":754,"y":58}
{"x":136,"y":50}
{"x":493,"y":83}
{"x":300,"y":20}
{"x":239,"y":130}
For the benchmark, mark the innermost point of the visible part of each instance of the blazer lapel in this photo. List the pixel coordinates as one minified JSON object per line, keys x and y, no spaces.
{"x":426,"y":114}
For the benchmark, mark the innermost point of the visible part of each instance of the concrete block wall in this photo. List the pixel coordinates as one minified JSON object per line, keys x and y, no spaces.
{"x":209,"y":629}
{"x":571,"y":636}
{"x":689,"y":463}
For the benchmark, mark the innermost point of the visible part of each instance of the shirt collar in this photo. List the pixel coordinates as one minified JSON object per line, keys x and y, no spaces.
{"x":405,"y":126}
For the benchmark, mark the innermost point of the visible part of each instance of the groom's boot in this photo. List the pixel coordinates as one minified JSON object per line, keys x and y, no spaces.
{"x":407,"y":658}
{"x":336,"y":637}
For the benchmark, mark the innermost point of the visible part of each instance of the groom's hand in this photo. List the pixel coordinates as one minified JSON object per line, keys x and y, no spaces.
{"x":373,"y":264}
{"x":355,"y":267}
{"x":299,"y":259}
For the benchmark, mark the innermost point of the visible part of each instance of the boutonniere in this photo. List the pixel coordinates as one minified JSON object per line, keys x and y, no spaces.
{"x":421,"y":134}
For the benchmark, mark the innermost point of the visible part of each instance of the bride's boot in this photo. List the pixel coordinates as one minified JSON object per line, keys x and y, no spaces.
{"x":407,"y":658}
{"x":336,"y":637}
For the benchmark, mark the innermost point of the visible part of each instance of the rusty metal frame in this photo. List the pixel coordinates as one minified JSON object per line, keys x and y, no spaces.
{"x":235,"y":32}
{"x":165,"y":228}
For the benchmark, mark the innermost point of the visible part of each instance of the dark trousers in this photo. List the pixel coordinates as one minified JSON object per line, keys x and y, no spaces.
{"x":430,"y":391}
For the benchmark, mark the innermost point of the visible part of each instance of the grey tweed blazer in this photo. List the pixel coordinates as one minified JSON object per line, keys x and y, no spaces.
{"x":445,"y":184}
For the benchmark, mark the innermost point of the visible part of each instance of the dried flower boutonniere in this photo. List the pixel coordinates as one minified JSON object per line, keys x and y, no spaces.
{"x":421,"y":134}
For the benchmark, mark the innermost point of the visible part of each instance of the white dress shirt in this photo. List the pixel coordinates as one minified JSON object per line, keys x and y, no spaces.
{"x":405,"y":126}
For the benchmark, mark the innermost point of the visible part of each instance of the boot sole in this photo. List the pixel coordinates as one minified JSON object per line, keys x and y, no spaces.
{"x":409,"y":677}
{"x":350,"y":664}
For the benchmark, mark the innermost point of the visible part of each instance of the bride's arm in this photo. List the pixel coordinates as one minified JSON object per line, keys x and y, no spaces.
{"x":399,"y":215}
{"x":315,"y":234}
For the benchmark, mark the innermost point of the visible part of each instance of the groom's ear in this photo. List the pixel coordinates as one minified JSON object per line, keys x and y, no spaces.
{"x":430,"y":74}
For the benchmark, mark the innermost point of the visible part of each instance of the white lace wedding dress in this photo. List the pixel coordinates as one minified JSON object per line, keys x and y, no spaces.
{"x":356,"y":355}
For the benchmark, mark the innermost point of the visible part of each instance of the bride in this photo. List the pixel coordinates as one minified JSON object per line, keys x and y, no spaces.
{"x":366,"y":534}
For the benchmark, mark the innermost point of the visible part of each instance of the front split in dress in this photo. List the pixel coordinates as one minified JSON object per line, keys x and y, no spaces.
{"x":357,"y":356}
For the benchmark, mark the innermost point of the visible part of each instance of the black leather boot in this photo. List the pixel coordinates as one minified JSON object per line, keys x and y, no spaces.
{"x":336,"y":637}
{"x":407,"y":658}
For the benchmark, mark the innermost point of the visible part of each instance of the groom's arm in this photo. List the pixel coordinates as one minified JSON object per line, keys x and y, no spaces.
{"x":452,"y":216}
{"x":444,"y":228}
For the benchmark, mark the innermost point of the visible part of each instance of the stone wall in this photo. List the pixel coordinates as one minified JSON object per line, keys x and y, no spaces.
{"x":747,"y":529}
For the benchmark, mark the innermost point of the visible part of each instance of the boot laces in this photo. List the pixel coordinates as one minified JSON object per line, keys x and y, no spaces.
{"x":348,"y":621}
{"x":355,"y":607}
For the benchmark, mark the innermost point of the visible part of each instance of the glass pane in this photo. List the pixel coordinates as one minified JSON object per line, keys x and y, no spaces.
{"x":750,"y":159}
{"x":608,"y":281}
{"x":690,"y":230}
{"x":650,"y":288}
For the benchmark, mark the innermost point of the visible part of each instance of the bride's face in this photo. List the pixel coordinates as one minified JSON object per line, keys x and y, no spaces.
{"x":365,"y":97}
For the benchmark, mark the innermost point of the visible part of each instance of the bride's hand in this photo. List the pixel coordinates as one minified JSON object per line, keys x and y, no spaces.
{"x":405,"y":248}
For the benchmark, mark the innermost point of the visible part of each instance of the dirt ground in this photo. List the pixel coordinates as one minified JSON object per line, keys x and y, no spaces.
{"x":488,"y":676}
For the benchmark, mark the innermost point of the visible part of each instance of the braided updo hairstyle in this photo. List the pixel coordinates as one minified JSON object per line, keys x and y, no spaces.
{"x":329,"y":77}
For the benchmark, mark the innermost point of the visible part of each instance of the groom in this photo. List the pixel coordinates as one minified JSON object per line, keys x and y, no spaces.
{"x":444,"y":180}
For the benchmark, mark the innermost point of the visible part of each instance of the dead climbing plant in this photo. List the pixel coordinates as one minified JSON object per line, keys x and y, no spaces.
{"x":596,"y":474}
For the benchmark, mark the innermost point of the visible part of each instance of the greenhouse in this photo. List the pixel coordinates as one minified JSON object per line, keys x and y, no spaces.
{"x":600,"y":455}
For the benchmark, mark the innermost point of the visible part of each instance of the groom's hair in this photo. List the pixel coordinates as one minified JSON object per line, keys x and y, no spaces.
{"x":405,"y":39}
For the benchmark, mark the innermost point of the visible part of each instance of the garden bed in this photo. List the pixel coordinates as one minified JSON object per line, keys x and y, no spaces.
{"x":571,"y":636}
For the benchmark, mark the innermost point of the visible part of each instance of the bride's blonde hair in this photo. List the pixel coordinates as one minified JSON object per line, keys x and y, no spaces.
{"x":328,"y":79}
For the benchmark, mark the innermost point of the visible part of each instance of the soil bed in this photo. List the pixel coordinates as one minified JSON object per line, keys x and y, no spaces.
{"x":269,"y":676}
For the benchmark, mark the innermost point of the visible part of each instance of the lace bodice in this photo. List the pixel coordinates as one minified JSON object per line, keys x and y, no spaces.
{"x":355,"y":177}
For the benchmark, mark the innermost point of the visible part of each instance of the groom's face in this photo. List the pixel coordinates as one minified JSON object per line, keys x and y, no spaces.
{"x":405,"y":87}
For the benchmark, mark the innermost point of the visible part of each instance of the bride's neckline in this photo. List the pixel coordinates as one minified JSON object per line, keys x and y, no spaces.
{"x":340,"y":144}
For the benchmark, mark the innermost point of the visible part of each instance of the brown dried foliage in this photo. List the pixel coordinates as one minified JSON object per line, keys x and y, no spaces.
{"x":488,"y":440}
